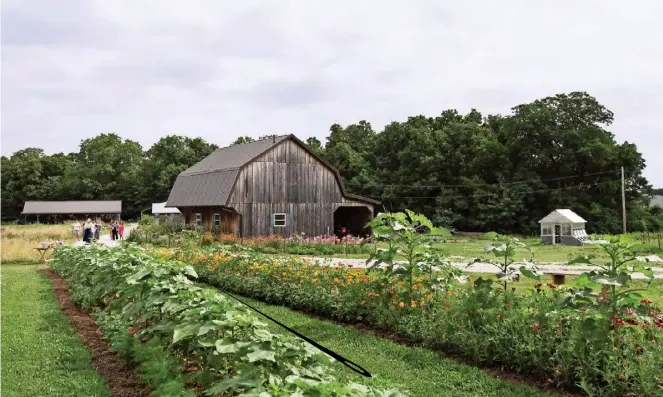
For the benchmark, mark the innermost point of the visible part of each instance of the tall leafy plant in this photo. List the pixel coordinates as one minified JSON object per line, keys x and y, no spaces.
{"x":412,"y":237}
{"x":614,"y":277}
{"x":504,"y":250}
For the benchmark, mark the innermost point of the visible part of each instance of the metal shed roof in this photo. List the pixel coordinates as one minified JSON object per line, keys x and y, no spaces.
{"x":562,"y":215}
{"x":201,"y":190}
{"x":72,"y":207}
{"x":232,"y":157}
{"x":160,"y":208}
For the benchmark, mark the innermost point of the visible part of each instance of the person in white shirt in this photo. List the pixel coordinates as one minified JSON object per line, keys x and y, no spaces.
{"x":77,"y":230}
{"x":87,"y":231}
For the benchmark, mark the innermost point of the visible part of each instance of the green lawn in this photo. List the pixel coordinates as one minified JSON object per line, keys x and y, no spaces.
{"x":525,"y":285}
{"x":475,"y":248}
{"x":417,"y":371}
{"x":41,"y":354}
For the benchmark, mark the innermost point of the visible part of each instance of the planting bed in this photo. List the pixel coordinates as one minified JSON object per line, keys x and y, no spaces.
{"x":120,"y":377}
{"x":581,"y":343}
{"x":186,"y":339}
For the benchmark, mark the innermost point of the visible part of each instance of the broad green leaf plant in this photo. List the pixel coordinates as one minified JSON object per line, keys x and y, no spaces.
{"x":614,"y":278}
{"x":504,"y":250}
{"x":229,"y":350}
{"x":411,"y":236}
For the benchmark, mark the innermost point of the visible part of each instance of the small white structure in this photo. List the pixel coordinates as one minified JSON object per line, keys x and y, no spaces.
{"x":563,"y":227}
{"x":159,"y":210}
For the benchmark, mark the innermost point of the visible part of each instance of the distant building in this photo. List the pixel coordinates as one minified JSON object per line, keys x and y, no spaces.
{"x":163,"y":213}
{"x":58,"y":211}
{"x":563,"y":227}
{"x":657,"y":201}
{"x":270,"y":186}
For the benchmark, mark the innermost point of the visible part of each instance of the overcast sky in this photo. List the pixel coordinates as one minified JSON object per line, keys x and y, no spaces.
{"x":219,"y":69}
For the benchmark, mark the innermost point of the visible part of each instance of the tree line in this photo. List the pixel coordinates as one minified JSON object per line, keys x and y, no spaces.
{"x":468,"y":171}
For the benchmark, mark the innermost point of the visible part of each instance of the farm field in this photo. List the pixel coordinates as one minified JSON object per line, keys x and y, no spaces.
{"x":41,"y":353}
{"x":418,"y":370}
{"x":417,"y":310}
{"x":19,"y":241}
{"x":529,"y":327}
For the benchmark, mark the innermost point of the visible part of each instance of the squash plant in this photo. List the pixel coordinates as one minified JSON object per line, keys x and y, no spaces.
{"x":226,"y":347}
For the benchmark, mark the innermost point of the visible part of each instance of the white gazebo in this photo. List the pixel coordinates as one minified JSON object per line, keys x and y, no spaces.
{"x":563,"y":227}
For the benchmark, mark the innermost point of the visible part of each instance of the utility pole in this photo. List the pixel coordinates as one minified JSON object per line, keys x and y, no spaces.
{"x":623,"y":203}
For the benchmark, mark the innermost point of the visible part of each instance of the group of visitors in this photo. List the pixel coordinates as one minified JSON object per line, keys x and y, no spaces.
{"x":117,"y":230}
{"x":92,"y":230}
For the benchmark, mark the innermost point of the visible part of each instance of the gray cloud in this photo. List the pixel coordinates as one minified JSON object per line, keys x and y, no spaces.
{"x":219,"y":69}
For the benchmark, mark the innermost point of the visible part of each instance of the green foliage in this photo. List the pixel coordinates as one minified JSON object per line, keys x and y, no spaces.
{"x":147,"y":220}
{"x":472,"y":172}
{"x":504,"y":251}
{"x":400,"y":231}
{"x":536,"y":333}
{"x":223,"y":346}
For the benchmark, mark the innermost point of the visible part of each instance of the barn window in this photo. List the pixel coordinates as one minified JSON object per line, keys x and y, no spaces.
{"x":217,"y":219}
{"x":199,"y":219}
{"x":279,"y":220}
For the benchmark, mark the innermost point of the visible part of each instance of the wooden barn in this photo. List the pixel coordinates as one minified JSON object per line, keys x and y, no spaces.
{"x":274,"y":186}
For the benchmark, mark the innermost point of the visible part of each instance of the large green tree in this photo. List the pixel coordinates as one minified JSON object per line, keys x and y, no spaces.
{"x":471,"y":171}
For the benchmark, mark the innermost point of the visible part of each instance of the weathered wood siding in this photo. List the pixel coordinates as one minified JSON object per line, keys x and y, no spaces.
{"x":229,"y":222}
{"x":288,"y":179}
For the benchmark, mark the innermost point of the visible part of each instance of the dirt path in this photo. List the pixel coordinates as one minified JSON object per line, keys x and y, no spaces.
{"x":106,"y":238}
{"x":121,"y":379}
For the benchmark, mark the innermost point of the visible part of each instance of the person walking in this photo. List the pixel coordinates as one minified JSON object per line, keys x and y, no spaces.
{"x":120,"y":229}
{"x":77,"y":230}
{"x":87,"y":231}
{"x":114,"y":228}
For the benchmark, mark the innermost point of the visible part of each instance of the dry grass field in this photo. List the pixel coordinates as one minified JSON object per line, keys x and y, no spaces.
{"x":18,"y":243}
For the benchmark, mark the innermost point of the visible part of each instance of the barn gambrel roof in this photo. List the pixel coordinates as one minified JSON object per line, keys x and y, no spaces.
{"x":210,"y":182}
{"x":562,"y":216}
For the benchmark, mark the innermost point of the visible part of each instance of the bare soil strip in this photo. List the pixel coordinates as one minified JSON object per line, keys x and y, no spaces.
{"x":121,"y":379}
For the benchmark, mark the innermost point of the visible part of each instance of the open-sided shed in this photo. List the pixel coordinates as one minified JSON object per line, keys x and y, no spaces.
{"x":55,"y":211}
{"x":563,"y":227}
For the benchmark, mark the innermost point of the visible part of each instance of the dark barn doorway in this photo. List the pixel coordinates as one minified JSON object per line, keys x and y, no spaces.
{"x":353,"y":219}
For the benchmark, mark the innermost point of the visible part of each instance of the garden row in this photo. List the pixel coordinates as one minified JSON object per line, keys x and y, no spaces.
{"x":605,"y":344}
{"x":173,"y":234}
{"x":188,"y":339}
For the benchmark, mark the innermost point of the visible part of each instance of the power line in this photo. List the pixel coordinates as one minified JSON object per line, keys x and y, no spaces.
{"x":490,"y":184}
{"x":497,"y":194}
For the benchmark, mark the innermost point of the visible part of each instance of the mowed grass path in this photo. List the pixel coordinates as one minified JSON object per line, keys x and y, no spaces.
{"x":41,"y":353}
{"x":416,"y":371}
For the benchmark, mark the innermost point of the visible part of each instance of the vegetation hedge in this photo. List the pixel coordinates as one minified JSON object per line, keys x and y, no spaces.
{"x":189,"y":339}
